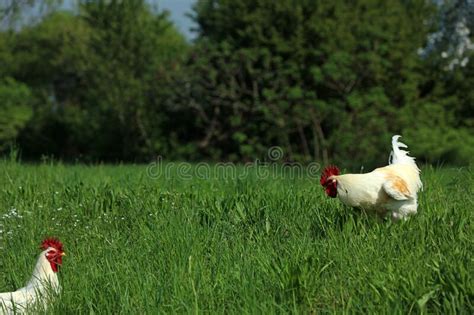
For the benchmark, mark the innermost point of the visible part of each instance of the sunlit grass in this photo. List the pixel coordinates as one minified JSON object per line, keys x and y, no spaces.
{"x":137,"y":244}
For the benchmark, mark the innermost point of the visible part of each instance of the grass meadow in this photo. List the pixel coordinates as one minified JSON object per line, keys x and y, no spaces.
{"x":137,"y":243}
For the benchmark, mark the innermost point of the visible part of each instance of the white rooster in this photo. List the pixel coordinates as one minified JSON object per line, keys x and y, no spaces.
{"x":390,"y":190}
{"x":43,"y":282}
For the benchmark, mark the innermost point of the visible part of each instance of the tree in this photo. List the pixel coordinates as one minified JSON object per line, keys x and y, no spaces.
{"x":95,"y":73}
{"x":129,"y":45}
{"x":51,"y":58}
{"x":320,"y":79}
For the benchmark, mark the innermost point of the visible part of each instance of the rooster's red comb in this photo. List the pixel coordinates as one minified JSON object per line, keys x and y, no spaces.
{"x":329,"y":171}
{"x":52,"y":242}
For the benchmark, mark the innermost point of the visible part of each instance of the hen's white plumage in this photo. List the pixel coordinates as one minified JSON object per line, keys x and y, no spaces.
{"x":38,"y":290}
{"x":391,"y":189}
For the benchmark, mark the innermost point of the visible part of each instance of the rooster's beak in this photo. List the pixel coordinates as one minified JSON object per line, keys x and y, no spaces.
{"x":63,"y":254}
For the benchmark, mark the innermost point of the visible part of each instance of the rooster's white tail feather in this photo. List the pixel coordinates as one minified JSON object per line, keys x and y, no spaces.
{"x":399,"y":156}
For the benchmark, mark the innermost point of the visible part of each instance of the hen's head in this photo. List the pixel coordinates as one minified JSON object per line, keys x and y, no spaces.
{"x":328,"y":181}
{"x":54,"y":252}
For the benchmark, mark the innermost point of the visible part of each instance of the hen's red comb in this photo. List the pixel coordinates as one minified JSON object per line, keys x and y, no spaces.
{"x":329,"y":171}
{"x":52,"y":242}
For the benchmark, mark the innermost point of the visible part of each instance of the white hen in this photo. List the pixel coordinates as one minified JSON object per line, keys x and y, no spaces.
{"x":44,"y":281}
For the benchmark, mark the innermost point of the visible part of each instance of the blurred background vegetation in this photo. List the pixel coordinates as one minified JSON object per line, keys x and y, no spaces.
{"x":326,"y":81}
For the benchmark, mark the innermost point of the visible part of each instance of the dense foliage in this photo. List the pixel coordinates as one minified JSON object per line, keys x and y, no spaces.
{"x":324,"y":80}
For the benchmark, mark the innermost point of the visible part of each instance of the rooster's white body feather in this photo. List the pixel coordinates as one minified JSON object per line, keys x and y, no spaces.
{"x":36,"y":292}
{"x":390,"y":189}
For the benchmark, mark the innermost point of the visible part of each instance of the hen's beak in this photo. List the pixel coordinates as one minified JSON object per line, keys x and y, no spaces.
{"x":62,"y":254}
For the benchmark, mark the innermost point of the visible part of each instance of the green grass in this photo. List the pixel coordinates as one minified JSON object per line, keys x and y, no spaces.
{"x":141,"y":245}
